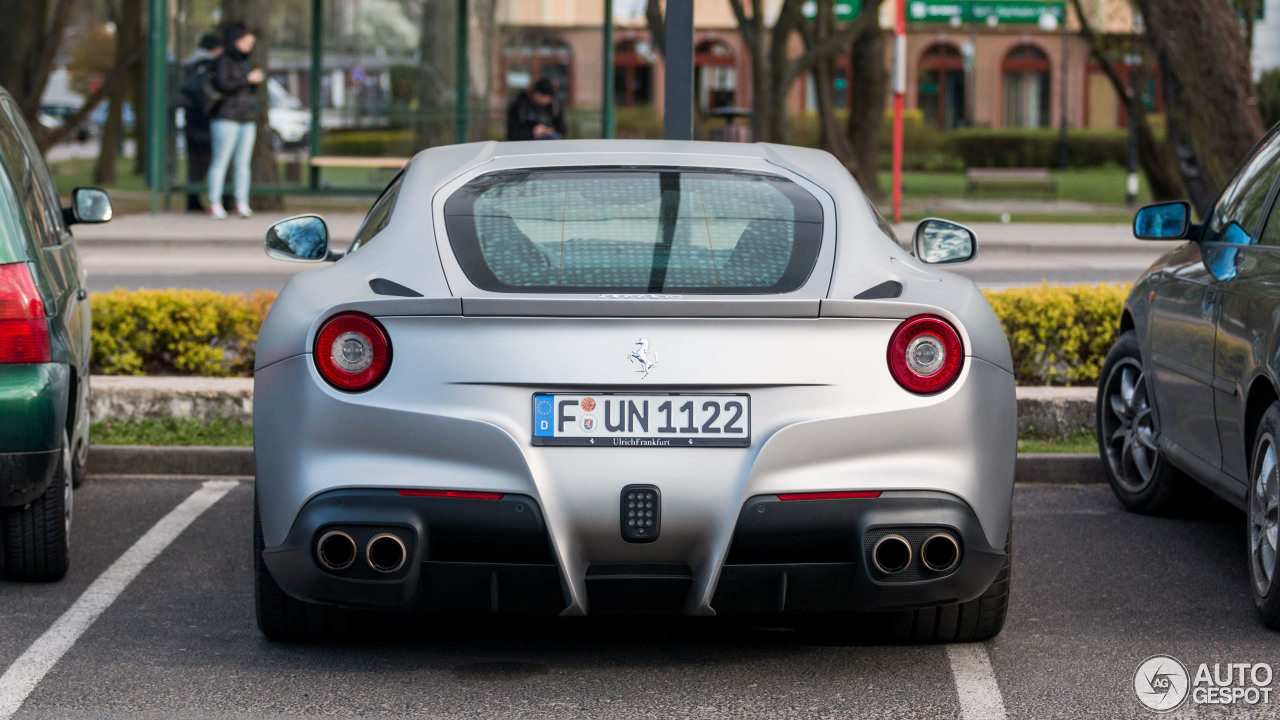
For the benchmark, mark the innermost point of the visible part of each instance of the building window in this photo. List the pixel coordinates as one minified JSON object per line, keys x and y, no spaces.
{"x":632,"y":74}
{"x":1026,"y":87}
{"x":716,"y":77}
{"x":530,"y":57}
{"x":941,"y":91}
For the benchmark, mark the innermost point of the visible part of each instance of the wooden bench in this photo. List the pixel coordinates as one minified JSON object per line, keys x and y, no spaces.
{"x":374,"y":164}
{"x":1009,"y":178}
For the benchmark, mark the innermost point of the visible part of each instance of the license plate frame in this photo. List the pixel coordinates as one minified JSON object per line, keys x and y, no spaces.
{"x":727,"y":425}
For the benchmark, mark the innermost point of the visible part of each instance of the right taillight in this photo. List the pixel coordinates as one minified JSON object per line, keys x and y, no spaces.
{"x":352,"y":352}
{"x":925,"y":354}
{"x":24,"y":329}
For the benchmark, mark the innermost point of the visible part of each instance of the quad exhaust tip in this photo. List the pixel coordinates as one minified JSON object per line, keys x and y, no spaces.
{"x":940,"y":552}
{"x":891,"y":554}
{"x":336,"y":550}
{"x":386,"y":553}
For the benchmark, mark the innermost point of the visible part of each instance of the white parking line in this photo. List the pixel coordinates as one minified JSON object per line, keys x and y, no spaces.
{"x":27,"y":671}
{"x":980,"y":697}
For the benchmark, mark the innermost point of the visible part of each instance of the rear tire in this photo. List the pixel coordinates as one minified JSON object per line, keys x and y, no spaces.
{"x":285,"y":618}
{"x":1264,"y":518}
{"x":1141,"y":477}
{"x":37,"y":537}
{"x":974,"y":621}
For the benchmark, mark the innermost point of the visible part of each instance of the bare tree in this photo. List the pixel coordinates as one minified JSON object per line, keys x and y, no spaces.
{"x":437,"y":73}
{"x":127,"y":18}
{"x":265,"y":170}
{"x":773,"y":70}
{"x":1210,"y":98}
{"x":30,"y":37}
{"x":1153,"y":156}
{"x":870,"y":83}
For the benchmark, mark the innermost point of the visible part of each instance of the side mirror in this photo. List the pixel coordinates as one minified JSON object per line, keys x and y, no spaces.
{"x":942,"y":242}
{"x":304,"y":238}
{"x":88,"y":205}
{"x":1166,"y":221}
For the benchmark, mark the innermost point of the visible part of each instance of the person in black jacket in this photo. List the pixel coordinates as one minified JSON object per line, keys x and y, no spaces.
{"x":535,"y":115}
{"x":196,"y":116}
{"x":233,"y":126}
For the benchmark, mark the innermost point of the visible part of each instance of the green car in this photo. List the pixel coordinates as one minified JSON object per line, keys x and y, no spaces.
{"x":44,"y":354}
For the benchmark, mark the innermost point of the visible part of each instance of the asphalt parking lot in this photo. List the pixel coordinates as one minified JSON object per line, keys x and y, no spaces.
{"x":155,"y":620}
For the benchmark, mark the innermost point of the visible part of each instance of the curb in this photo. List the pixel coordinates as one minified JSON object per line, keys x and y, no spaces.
{"x":1049,"y":410}
{"x":114,"y":461}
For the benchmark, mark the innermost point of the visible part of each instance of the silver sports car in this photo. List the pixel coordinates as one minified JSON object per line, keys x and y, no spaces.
{"x":588,"y":377}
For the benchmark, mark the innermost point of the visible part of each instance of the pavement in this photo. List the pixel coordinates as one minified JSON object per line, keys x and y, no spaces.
{"x":156,"y":620}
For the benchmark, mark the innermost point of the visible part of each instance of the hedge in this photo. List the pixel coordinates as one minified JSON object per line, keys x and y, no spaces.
{"x":1039,"y":148}
{"x":176,"y":332}
{"x":1059,"y":335}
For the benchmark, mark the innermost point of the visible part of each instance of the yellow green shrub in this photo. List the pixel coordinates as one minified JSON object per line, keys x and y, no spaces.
{"x":176,"y":332}
{"x":1059,"y":335}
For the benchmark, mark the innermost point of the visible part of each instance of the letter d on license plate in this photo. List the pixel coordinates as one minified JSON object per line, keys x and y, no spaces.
{"x":642,"y":420}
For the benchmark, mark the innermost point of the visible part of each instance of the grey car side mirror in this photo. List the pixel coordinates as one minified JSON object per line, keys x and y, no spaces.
{"x":942,"y":242}
{"x":88,"y":205}
{"x":1165,"y":221}
{"x":304,"y":238}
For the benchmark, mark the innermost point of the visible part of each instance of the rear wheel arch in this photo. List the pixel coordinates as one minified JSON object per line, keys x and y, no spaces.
{"x":1260,"y":395}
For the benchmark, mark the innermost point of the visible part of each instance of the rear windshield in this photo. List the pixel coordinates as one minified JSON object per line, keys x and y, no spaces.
{"x":634,"y":231}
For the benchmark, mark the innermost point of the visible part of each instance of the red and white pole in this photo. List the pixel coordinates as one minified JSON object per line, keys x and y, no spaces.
{"x":899,"y":95}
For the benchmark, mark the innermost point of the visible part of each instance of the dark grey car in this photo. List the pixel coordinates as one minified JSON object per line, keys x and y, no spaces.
{"x":1188,"y":398}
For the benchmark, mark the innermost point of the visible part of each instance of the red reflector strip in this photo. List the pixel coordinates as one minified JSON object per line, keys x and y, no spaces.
{"x":849,"y":495}
{"x":465,"y":494}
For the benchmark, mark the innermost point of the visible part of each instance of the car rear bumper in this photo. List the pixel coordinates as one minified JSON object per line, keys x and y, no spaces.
{"x":477,"y":555}
{"x":25,"y":476}
{"x":33,"y":400}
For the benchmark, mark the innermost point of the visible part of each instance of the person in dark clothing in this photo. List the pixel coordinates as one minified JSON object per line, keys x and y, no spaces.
{"x":233,"y":126}
{"x":196,"y":127}
{"x":535,"y":115}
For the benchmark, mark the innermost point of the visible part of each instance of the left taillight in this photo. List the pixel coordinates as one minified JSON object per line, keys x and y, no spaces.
{"x":925,"y":354}
{"x":352,"y":352}
{"x":24,"y":329}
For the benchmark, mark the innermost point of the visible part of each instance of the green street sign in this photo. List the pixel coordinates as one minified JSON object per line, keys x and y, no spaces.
{"x":846,"y":10}
{"x":997,"y":12}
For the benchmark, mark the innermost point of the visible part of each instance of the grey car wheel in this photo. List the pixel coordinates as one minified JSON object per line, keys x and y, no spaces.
{"x":1264,"y":517}
{"x":1127,"y":434}
{"x":1140,"y":476}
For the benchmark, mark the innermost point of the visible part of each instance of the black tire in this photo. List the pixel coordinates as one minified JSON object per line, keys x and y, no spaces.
{"x":287,"y":619}
{"x":37,"y":537}
{"x":80,"y":464}
{"x":974,"y":621}
{"x":1264,"y":517}
{"x":1140,"y":476}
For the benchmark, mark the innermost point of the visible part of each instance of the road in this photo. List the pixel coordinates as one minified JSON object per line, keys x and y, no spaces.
{"x":195,"y":252}
{"x":1095,"y":592}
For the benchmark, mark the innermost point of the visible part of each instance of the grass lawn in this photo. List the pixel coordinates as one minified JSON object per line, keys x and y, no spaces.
{"x":1102,"y":186}
{"x":171,"y":431}
{"x":1083,"y":441}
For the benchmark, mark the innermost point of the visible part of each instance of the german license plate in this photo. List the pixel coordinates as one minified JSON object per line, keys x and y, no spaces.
{"x":642,"y":420}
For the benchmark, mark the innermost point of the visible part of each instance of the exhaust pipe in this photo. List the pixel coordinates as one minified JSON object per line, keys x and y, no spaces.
{"x":940,"y":552}
{"x":891,"y":554}
{"x":386,"y":553}
{"x":336,"y":550}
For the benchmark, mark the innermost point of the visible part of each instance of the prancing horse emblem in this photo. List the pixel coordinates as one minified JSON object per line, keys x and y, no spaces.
{"x":646,"y":356}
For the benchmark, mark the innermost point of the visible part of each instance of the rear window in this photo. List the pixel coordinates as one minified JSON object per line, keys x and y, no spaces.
{"x":634,"y":231}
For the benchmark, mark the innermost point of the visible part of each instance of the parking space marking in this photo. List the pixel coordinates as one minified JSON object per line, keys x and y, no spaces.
{"x":980,"y":697}
{"x":27,"y":671}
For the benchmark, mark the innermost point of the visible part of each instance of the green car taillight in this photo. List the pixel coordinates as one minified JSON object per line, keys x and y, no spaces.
{"x":24,"y":329}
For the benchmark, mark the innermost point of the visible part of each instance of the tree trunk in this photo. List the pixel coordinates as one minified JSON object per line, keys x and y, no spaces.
{"x":831,"y":138}
{"x":133,"y":34}
{"x":867,"y":104}
{"x":1209,"y":93}
{"x":264,"y":169}
{"x":437,"y":74}
{"x":1154,"y":158}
